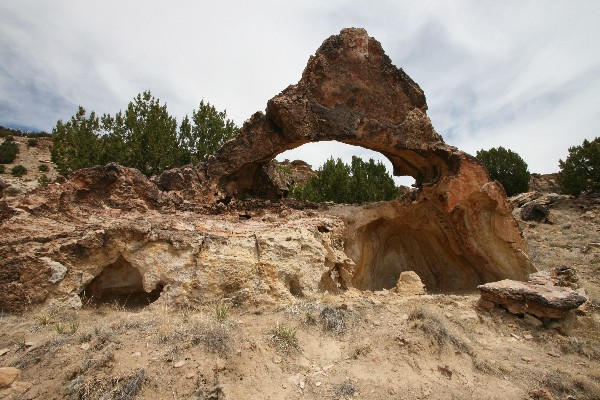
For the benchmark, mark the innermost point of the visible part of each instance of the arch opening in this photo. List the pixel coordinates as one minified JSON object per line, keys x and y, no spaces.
{"x":315,"y":154}
{"x":120,"y":284}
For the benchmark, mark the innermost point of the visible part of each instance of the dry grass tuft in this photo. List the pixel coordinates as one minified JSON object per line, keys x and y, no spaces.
{"x":283,"y":337}
{"x":345,"y":390}
{"x":435,"y":326}
{"x":334,"y":320}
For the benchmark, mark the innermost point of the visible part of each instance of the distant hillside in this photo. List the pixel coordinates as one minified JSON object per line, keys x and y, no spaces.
{"x":4,"y":131}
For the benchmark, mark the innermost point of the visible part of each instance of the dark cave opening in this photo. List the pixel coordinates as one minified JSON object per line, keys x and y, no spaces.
{"x":120,"y":284}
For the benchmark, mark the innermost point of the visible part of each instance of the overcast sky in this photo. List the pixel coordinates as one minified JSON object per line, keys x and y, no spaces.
{"x":520,"y":74}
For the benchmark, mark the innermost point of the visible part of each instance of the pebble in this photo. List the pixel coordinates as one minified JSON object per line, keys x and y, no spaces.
{"x":318,"y":384}
{"x":85,"y":346}
{"x":526,"y":359}
{"x":277,"y":360}
{"x":4,"y":351}
{"x":190,"y":375}
{"x":179,"y":364}
{"x":527,"y":336}
{"x":137,"y":354}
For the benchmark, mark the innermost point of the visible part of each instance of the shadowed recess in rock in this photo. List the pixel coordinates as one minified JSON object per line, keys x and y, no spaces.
{"x":120,"y":284}
{"x":389,"y":248}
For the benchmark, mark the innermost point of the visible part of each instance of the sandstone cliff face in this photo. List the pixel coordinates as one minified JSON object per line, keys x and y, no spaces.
{"x":161,"y":238}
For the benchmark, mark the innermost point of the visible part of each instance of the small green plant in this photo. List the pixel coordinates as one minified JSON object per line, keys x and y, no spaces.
{"x":19,"y":343}
{"x":32,"y":142}
{"x":66,"y":329}
{"x":44,"y":319}
{"x":43,"y":168}
{"x":8,"y":151}
{"x":284,"y":338}
{"x":44,"y":181}
{"x":222,"y":311}
{"x":186,"y":313}
{"x":9,"y":139}
{"x":18,"y":170}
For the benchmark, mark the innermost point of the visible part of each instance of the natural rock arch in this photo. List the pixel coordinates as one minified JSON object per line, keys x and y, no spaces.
{"x":350,"y":92}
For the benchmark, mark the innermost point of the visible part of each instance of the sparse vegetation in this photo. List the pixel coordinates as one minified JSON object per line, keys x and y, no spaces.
{"x":32,"y":142}
{"x":43,"y":168}
{"x":434,"y":325}
{"x":8,"y":150}
{"x":18,"y":170}
{"x":345,"y":390}
{"x":43,"y":180}
{"x":222,"y":311}
{"x":283,"y":337}
{"x":333,"y":320}
{"x":581,"y":170}
{"x":506,"y":167}
{"x":66,"y":328}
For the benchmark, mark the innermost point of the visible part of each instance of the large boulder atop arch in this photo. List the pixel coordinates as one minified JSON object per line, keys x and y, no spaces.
{"x":458,"y":231}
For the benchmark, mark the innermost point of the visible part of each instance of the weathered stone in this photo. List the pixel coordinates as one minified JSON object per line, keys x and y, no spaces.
{"x":535,"y":212}
{"x":559,"y":276}
{"x":542,"y":301}
{"x":57,"y":270}
{"x":409,"y":283}
{"x":519,"y":200}
{"x":8,"y":375}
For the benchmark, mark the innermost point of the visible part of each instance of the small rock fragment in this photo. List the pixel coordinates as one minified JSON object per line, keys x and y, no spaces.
{"x":179,"y":364}
{"x":8,"y":375}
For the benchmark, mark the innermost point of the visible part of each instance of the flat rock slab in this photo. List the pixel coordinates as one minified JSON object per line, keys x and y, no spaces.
{"x":542,"y":301}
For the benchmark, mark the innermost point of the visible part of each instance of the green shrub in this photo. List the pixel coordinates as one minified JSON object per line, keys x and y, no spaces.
{"x":18,"y":170}
{"x":506,"y":167}
{"x":32,"y":142}
{"x":9,"y":139}
{"x":581,"y":170}
{"x":44,"y":181}
{"x":43,"y":168}
{"x":8,"y":151}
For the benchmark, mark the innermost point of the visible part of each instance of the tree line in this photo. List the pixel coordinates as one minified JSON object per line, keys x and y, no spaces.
{"x":358,"y":182}
{"x":144,"y":136}
{"x":579,"y":172}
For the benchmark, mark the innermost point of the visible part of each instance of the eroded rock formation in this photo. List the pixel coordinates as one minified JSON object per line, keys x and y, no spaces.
{"x":546,"y":295}
{"x":159,"y":236}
